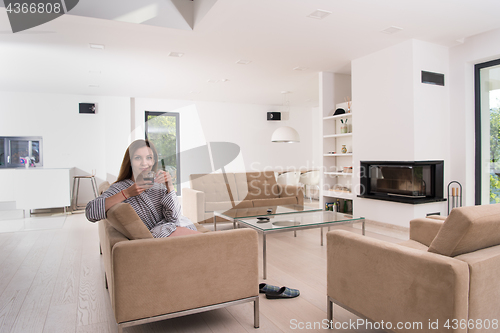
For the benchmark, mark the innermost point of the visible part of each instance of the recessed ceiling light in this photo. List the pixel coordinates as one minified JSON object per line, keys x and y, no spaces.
{"x":93,"y":86}
{"x":391,"y":30}
{"x":243,"y":62}
{"x":319,"y":14}
{"x":300,"y":68}
{"x":96,"y":46}
{"x":175,"y":54}
{"x":224,"y":80}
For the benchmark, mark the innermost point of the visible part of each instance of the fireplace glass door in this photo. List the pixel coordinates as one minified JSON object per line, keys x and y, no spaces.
{"x":400,"y":180}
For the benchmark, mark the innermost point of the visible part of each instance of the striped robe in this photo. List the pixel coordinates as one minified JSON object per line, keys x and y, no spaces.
{"x":158,"y":209}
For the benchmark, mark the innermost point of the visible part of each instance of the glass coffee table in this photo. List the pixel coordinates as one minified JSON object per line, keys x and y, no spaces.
{"x":236,"y":213}
{"x":278,"y":220}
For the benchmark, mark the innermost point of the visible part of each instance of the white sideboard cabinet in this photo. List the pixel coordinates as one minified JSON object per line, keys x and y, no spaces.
{"x":36,"y":188}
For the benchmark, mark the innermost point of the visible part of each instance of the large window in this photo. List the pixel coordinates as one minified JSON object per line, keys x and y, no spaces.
{"x":487,"y":95}
{"x":162,"y":128}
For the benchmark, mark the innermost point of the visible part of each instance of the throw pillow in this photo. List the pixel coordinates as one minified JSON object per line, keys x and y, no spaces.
{"x":124,"y":219}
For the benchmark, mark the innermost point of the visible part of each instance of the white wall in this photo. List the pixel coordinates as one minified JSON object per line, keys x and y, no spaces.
{"x":397,"y":118}
{"x":382,"y":92}
{"x":474,"y":50}
{"x":84,"y":141}
{"x":431,"y":104}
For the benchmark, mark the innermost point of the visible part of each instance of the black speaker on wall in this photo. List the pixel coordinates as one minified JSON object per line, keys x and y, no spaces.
{"x":274,"y":116}
{"x":87,"y":108}
{"x":433,"y":78}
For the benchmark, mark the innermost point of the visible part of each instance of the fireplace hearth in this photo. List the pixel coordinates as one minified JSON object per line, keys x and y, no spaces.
{"x":411,"y":182}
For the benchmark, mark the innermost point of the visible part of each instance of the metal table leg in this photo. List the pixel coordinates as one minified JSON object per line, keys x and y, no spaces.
{"x":321,"y":236}
{"x":264,"y":262}
{"x":215,"y":224}
{"x":363,"y":227}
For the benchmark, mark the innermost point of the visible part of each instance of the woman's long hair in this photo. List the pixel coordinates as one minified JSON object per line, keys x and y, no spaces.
{"x":126,"y":168}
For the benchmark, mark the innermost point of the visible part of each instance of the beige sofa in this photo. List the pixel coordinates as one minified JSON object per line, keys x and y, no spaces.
{"x":151,"y":279}
{"x":217,"y":191}
{"x":448,"y":272}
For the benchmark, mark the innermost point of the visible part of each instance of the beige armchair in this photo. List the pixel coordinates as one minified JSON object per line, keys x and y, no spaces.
{"x":151,"y":279}
{"x":447,"y":274}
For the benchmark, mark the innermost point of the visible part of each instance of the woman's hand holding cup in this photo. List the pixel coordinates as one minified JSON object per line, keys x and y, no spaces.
{"x":143,"y":182}
{"x":163,"y":177}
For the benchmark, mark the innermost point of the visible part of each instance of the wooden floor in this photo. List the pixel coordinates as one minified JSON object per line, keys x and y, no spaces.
{"x":52,"y":281}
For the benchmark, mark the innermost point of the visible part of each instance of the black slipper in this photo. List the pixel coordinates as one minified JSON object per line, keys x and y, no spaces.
{"x":283,"y":292}
{"x":267,"y":288}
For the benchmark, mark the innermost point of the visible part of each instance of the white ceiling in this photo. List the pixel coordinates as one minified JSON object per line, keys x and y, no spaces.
{"x":275,"y":35}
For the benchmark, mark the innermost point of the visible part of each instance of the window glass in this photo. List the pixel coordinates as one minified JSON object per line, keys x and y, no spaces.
{"x":488,"y":138}
{"x":35,"y":151}
{"x":19,"y":149}
{"x":2,"y":152}
{"x":163,"y":130}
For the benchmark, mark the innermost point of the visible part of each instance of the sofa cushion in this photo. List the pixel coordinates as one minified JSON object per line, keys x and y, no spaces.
{"x":226,"y":205}
{"x":257,"y":185}
{"x":274,"y":202}
{"x":424,"y":230}
{"x":468,"y":229}
{"x":214,"y":186}
{"x":124,"y":219}
{"x":241,"y":185}
{"x":414,"y":245}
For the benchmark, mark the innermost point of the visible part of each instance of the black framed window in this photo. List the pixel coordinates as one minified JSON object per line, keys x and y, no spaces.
{"x":487,"y":132}
{"x":162,"y":128}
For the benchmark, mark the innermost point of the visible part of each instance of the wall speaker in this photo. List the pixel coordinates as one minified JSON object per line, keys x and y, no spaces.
{"x":87,"y":108}
{"x":274,"y":116}
{"x":433,"y":78}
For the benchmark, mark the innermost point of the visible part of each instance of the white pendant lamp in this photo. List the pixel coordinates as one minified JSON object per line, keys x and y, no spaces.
{"x":285,"y":134}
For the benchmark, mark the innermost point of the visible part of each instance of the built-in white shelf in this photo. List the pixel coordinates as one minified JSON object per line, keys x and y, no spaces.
{"x":338,"y":194}
{"x":346,"y":174}
{"x":338,"y":116}
{"x":346,"y":154}
{"x":337,"y":135}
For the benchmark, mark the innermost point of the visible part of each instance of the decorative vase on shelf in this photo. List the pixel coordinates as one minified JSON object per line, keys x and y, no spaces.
{"x":344,"y":149}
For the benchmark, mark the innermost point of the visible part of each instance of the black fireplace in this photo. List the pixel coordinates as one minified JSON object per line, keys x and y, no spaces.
{"x":412,"y":182}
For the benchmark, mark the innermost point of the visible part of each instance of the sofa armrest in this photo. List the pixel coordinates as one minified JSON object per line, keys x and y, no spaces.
{"x":193,"y":204}
{"x":292,"y":191}
{"x":164,"y":275}
{"x":393,"y":283}
{"x":424,"y":230}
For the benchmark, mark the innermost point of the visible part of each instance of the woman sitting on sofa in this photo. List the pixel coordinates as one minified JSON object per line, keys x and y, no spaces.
{"x":155,"y":202}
